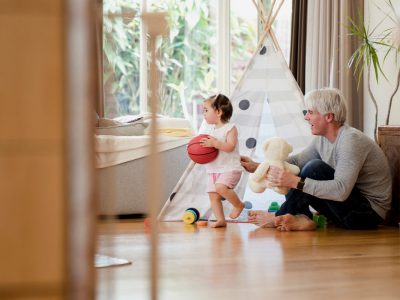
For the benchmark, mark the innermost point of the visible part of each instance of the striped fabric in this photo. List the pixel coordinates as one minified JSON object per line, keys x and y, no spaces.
{"x":267,"y":102}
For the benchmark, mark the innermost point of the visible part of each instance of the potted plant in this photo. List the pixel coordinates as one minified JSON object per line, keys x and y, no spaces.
{"x":366,"y":55}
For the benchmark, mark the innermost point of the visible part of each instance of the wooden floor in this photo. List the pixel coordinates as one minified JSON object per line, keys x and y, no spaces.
{"x":246,"y":262}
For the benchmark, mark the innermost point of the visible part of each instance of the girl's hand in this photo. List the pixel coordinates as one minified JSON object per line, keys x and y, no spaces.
{"x":248,"y":164}
{"x":209,"y":141}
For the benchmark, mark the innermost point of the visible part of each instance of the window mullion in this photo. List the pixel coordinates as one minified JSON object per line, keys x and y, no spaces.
{"x":143,"y":62}
{"x":223,"y":47}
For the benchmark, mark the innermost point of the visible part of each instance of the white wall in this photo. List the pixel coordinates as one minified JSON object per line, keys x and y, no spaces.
{"x":383,"y":89}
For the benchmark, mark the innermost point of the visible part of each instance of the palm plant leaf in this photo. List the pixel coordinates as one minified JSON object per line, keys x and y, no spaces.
{"x":366,"y":54}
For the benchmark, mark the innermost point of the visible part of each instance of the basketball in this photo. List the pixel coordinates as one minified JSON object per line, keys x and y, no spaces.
{"x":200,"y":154}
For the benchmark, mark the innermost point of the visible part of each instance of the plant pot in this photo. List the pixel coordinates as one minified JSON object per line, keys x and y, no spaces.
{"x":389,"y":141}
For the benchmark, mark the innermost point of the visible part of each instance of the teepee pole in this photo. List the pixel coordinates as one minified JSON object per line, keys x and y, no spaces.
{"x":268,"y":27}
{"x":276,"y":13}
{"x":178,"y":186}
{"x":267,"y":21}
{"x":270,"y":11}
{"x":275,"y":40}
{"x":261,"y":12}
{"x":260,"y":42}
{"x":264,"y":12}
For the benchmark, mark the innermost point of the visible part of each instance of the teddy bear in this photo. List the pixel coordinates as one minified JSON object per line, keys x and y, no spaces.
{"x":276,"y":151}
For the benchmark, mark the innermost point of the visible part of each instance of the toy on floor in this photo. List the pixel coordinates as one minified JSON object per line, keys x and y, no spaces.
{"x":243,"y":217}
{"x":320,"y":220}
{"x":248,"y":205}
{"x":276,"y":151}
{"x":146,"y":222}
{"x":273,"y":207}
{"x":191,"y":216}
{"x":202,"y":223}
{"x":200,"y":154}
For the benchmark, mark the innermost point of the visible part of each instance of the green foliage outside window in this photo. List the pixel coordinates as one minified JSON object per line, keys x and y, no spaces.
{"x":187,"y":70}
{"x":187,"y":55}
{"x":121,"y":37}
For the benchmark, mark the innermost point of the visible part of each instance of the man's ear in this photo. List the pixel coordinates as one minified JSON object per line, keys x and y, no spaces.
{"x":330,"y":117}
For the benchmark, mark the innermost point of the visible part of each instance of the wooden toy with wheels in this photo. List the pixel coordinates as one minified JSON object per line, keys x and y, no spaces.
{"x":191,"y":216}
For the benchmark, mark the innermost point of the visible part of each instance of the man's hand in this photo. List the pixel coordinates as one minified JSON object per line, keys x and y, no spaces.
{"x":281,"y":178}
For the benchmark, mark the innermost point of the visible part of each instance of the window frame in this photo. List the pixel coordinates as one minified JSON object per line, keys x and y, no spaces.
{"x":223,"y":61}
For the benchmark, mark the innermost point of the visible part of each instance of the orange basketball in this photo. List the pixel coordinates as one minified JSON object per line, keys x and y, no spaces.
{"x":200,"y":154}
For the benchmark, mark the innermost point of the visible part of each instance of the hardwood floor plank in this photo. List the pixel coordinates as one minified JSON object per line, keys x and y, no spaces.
{"x":243,"y":262}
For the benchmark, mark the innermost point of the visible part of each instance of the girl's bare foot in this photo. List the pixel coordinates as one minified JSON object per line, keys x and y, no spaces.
{"x":218,"y":224}
{"x":290,"y":222}
{"x":261,"y":218}
{"x":236,"y":211}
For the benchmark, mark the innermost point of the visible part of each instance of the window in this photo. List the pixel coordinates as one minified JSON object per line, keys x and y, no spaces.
{"x":244,"y":23}
{"x":121,"y":63}
{"x":188,"y":56}
{"x":283,"y":27}
{"x":207,"y":50}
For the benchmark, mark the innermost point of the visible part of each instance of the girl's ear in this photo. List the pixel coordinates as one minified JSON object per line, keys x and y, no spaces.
{"x":219,"y":113}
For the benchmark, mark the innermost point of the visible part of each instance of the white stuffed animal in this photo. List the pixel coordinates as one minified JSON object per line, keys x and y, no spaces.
{"x":276,"y":152}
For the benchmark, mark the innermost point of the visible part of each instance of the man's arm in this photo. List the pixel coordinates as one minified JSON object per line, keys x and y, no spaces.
{"x":350,"y":155}
{"x":307,"y":154}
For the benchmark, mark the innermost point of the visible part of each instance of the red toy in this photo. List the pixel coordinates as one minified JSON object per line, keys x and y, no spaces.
{"x":146,"y":222}
{"x":200,"y":154}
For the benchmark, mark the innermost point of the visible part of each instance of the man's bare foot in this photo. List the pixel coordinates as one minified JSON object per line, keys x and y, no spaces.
{"x":290,"y":222}
{"x":261,"y":218}
{"x":236,"y":211}
{"x":218,"y":224}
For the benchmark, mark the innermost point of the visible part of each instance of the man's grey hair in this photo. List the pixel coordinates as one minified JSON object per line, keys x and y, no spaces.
{"x":327,"y":100}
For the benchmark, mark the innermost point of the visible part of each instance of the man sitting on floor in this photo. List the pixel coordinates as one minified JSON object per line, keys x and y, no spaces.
{"x":344,"y":174}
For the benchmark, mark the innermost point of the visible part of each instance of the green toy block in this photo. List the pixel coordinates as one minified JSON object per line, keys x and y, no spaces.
{"x":273,"y":207}
{"x":320,"y":220}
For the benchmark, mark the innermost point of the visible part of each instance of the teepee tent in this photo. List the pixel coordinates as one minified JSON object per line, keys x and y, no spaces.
{"x":267,"y":102}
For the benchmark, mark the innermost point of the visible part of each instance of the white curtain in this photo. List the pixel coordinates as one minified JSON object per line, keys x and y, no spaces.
{"x":329,"y":48}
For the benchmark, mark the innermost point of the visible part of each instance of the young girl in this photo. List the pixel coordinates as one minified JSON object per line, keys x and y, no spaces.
{"x":225,"y":171}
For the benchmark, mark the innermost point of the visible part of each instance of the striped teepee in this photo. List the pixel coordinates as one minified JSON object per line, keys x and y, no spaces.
{"x":266,"y":102}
